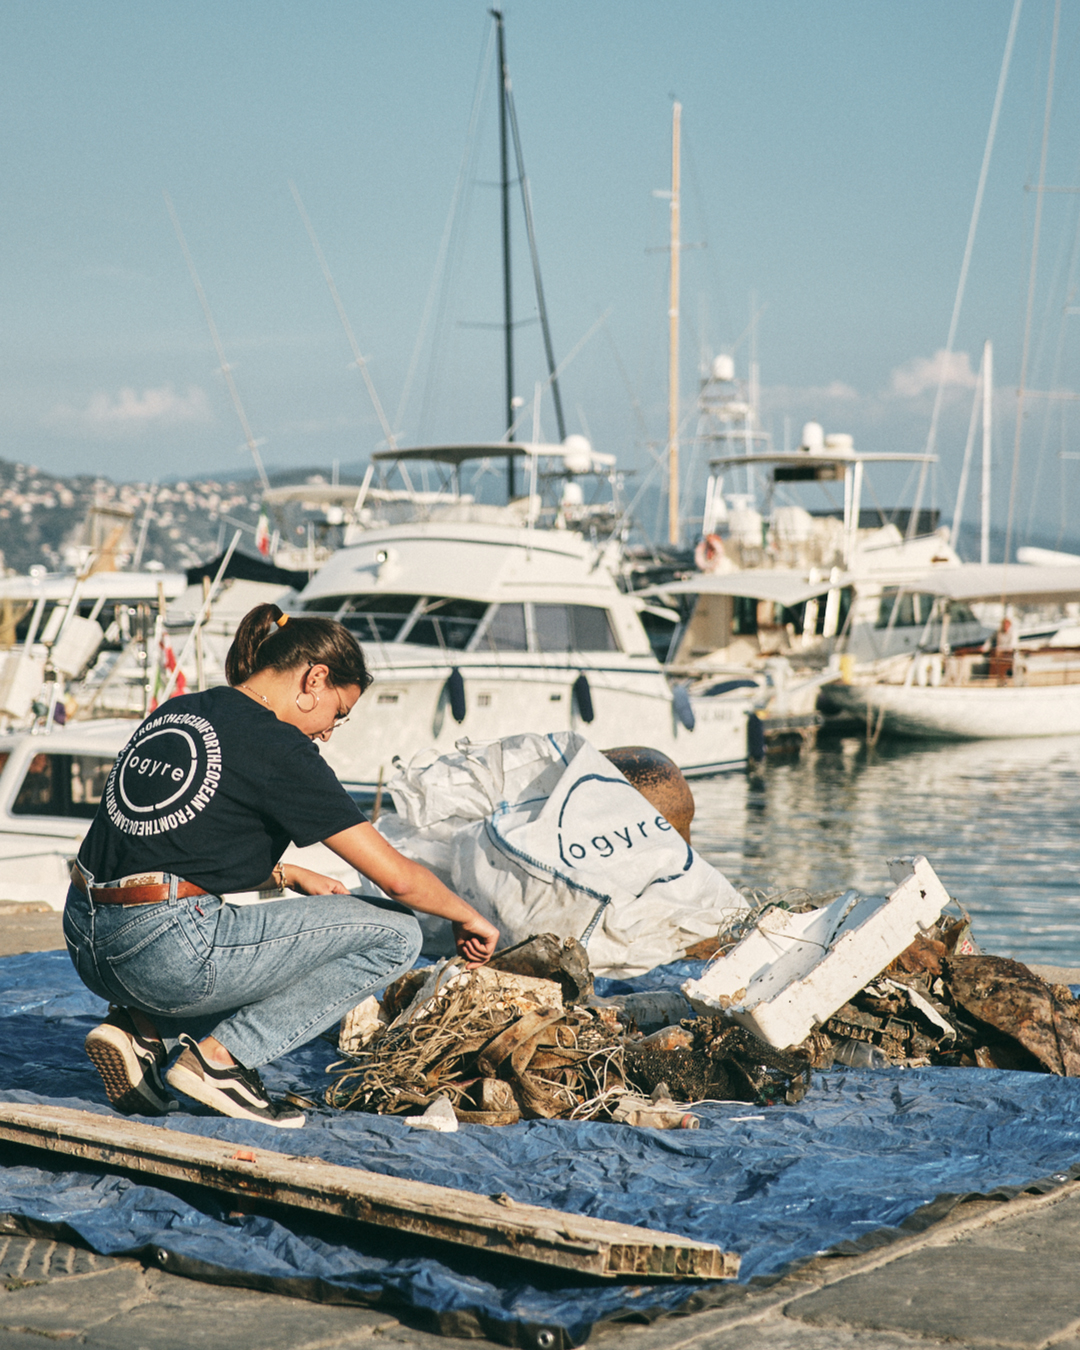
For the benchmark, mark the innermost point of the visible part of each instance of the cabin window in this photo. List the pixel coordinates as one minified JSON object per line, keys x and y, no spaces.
{"x":662,"y":633}
{"x":913,"y":609}
{"x":445,"y":623}
{"x":326,"y":604}
{"x":62,"y":785}
{"x":551,"y":624}
{"x":573,"y":628}
{"x":506,"y":631}
{"x":744,"y":613}
{"x":961,"y":613}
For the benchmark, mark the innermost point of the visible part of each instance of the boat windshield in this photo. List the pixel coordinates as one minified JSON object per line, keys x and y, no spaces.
{"x":457,"y":624}
{"x":427,"y":621}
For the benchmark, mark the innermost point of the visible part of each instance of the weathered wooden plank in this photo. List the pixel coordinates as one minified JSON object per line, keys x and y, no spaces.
{"x":495,"y":1223}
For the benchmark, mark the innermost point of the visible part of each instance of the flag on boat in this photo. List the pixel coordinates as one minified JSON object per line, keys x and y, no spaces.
{"x":166,"y":665}
{"x":262,"y":535}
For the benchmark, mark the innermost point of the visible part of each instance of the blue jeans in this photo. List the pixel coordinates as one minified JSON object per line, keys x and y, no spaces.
{"x":261,"y":978}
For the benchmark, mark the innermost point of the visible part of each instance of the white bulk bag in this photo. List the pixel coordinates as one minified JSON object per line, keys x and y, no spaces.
{"x":542,"y":834}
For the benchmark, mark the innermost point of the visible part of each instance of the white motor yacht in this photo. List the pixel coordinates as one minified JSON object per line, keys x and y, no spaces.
{"x":479,"y":621}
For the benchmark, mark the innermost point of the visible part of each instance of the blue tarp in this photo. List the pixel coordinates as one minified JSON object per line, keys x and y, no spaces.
{"x":864,"y":1150}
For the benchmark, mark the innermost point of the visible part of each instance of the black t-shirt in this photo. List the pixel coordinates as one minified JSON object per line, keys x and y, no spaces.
{"x":212,"y":787}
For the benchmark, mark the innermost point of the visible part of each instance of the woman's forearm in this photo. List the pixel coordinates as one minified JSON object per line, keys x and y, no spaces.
{"x":362,"y":847}
{"x":406,"y":881}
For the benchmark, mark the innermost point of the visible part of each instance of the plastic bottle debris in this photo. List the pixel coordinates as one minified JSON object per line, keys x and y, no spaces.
{"x":859,"y":1054}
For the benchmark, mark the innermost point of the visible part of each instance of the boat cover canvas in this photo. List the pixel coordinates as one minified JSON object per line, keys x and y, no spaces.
{"x":865,"y":1151}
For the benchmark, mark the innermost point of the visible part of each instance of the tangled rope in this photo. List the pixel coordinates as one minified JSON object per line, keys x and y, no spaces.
{"x":495,"y":1062}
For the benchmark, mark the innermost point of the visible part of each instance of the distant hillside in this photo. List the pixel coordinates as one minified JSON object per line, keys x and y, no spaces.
{"x":44,"y":519}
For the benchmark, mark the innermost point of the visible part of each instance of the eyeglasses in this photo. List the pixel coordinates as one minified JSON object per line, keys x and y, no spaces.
{"x":340,"y":718}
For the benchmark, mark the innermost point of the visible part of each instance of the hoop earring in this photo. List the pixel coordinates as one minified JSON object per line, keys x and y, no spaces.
{"x":305,"y":694}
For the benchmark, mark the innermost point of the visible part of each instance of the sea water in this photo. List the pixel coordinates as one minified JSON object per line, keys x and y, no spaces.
{"x":999,"y":822}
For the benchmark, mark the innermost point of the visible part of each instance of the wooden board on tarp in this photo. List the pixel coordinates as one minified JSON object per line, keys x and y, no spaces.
{"x":496,"y":1224}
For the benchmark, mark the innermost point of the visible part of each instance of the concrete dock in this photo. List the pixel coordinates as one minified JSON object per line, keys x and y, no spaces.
{"x":990,"y":1274}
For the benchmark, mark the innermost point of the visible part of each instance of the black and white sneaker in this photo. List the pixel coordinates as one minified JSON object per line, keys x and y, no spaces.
{"x":130,"y":1065}
{"x":233,"y":1091}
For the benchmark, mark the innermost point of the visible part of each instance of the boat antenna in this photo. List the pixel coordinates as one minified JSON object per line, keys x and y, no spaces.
{"x":358,"y":359}
{"x":226,"y":369}
{"x":148,"y":515}
{"x":508,"y":299}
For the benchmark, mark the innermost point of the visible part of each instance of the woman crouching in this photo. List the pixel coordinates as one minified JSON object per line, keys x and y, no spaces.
{"x":203,"y":801}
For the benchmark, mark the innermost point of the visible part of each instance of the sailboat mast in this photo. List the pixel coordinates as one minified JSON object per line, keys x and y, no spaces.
{"x":673,"y":338}
{"x":508,"y":299}
{"x":987,"y":417}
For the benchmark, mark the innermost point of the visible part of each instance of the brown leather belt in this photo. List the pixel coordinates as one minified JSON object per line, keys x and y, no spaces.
{"x":131,"y":895}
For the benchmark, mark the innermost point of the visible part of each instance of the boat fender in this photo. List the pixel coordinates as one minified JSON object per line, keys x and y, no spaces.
{"x":755,"y":737}
{"x":684,"y":709}
{"x":454,"y":690}
{"x":582,"y":696}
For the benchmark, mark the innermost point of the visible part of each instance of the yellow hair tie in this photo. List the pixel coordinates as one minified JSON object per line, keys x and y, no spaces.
{"x":283,"y":621}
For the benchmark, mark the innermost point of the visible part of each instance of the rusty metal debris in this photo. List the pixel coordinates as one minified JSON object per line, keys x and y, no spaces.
{"x":943,"y":1002}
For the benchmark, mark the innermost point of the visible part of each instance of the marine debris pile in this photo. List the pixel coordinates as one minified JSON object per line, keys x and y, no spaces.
{"x":858,"y":981}
{"x":524,"y":1038}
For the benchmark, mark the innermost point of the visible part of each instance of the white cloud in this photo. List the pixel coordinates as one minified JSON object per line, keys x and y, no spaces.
{"x":130,"y":410}
{"x":953,"y":369}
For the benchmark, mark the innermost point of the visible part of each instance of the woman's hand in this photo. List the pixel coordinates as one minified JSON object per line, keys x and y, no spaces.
{"x":307,"y":882}
{"x":476,"y":940}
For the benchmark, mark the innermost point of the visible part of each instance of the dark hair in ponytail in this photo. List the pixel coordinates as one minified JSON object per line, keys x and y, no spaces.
{"x":267,"y":639}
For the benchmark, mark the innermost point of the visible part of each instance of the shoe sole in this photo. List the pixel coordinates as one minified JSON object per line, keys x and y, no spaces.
{"x":124,"y":1093}
{"x":194,"y":1085}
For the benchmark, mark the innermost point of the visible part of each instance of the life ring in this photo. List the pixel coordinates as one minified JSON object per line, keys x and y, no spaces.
{"x":709,"y":553}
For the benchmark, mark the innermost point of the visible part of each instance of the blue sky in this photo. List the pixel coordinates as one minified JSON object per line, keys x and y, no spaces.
{"x":831,"y":153}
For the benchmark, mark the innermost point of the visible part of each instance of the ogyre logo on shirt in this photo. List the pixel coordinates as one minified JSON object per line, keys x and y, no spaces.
{"x":165,"y":776}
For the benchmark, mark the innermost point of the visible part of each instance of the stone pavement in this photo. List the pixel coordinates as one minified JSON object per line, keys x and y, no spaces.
{"x":992,"y":1274}
{"x":29,"y":928}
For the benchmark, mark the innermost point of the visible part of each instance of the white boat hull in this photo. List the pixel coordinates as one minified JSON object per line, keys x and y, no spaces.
{"x":408,"y":710}
{"x":966,"y":713}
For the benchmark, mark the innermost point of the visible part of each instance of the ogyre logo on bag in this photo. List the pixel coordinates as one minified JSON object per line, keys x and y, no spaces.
{"x":606,"y":818}
{"x":165,"y":776}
